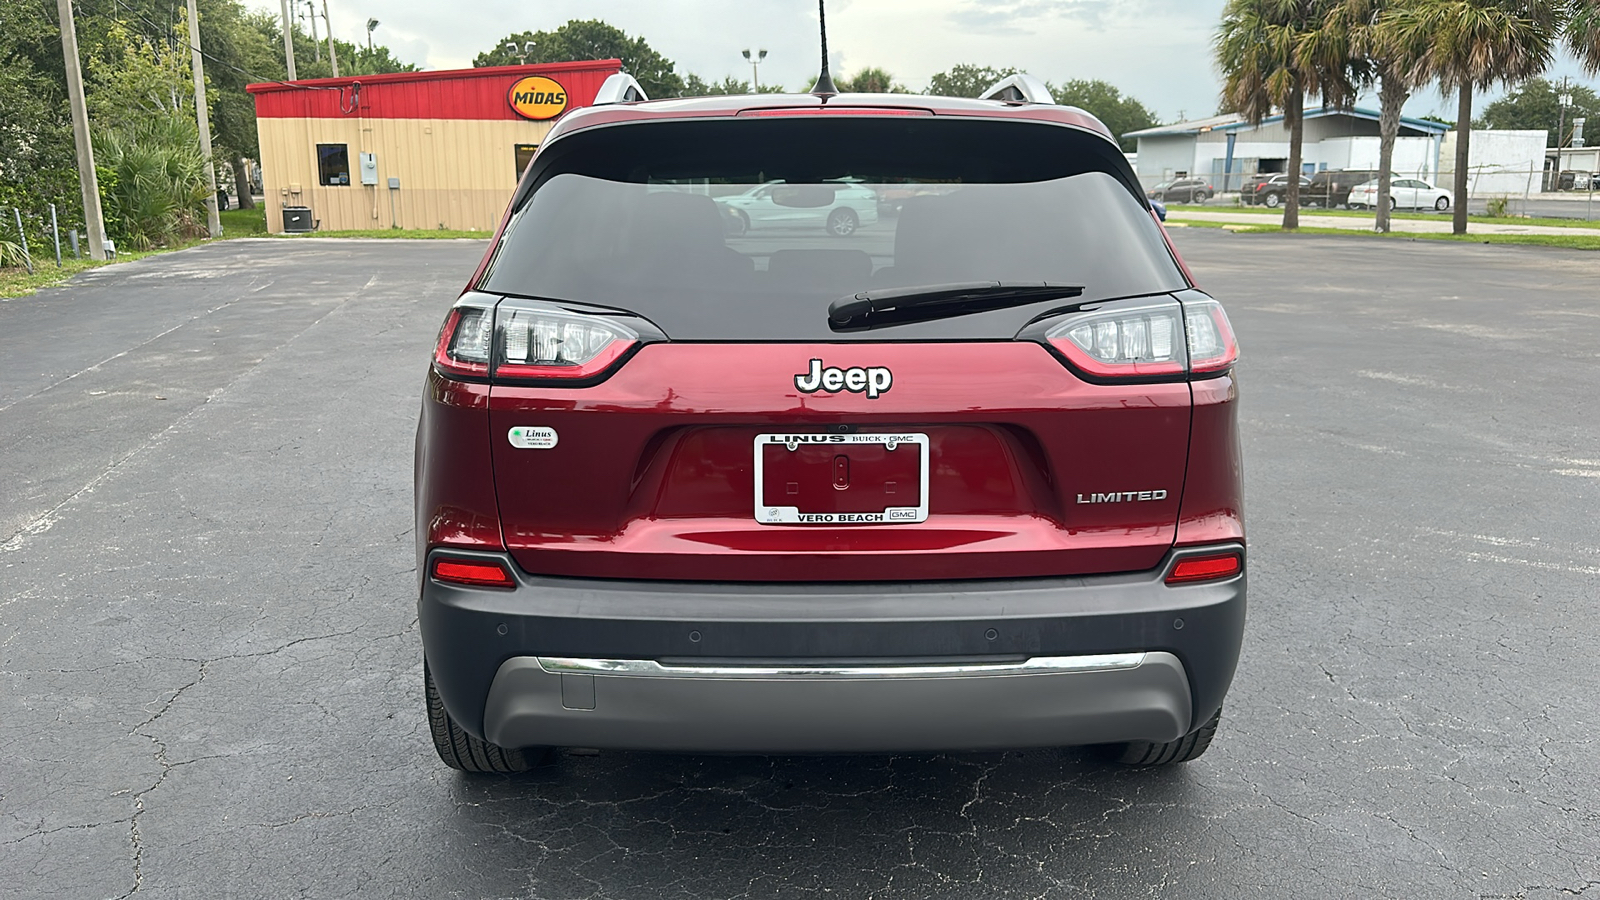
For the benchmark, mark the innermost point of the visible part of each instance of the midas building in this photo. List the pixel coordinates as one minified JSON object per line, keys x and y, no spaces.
{"x":410,"y":150}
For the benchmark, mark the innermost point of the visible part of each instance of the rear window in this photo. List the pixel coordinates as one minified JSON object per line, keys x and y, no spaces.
{"x":749,"y":230}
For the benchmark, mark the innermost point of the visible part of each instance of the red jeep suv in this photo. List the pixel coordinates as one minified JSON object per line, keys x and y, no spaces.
{"x":699,"y":477}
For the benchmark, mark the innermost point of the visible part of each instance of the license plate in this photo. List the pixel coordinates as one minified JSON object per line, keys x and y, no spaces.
{"x":841,"y":479}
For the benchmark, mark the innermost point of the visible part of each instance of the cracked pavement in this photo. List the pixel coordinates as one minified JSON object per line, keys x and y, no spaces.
{"x":210,"y":677}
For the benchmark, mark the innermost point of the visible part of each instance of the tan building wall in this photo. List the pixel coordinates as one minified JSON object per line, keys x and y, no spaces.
{"x":454,"y":173}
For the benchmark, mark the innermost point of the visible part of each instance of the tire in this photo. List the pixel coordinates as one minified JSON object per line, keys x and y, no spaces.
{"x":1274,"y":201}
{"x":1392,"y":205}
{"x":1144,"y":754}
{"x":462,"y":751}
{"x":1441,"y":204}
{"x":739,"y":224}
{"x":1201,"y":197}
{"x":842,"y":222}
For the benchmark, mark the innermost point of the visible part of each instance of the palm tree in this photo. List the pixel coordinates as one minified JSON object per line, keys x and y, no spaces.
{"x":1359,"y":35}
{"x":1266,"y":50}
{"x":1475,"y":44}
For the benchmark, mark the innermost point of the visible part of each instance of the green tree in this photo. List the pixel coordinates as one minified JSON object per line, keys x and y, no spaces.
{"x":1121,"y":113}
{"x":1358,"y":38}
{"x":1473,"y":45}
{"x":1262,"y":50}
{"x":966,"y":80}
{"x":871,"y":80}
{"x":695,"y":86}
{"x":584,"y":39}
{"x":1536,"y":105}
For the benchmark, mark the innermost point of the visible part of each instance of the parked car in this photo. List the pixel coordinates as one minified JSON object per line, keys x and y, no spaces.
{"x":1404,"y":193}
{"x":968,"y":482}
{"x":1182,"y":190}
{"x":837,"y":207}
{"x":1270,"y":191}
{"x":1160,"y":209}
{"x":1331,"y":189}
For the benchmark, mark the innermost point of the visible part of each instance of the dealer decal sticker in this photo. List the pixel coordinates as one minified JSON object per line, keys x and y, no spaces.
{"x":532,"y":437}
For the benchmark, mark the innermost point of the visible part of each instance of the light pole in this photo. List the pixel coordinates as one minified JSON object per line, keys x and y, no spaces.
{"x":755,"y":71}
{"x":371,"y":24}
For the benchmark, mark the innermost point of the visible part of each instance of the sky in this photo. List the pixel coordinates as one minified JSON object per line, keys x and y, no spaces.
{"x":1158,"y":51}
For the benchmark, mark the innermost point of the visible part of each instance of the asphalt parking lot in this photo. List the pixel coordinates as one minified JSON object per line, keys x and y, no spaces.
{"x":211,"y":680}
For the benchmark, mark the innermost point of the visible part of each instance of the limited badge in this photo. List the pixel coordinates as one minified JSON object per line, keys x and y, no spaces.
{"x":532,"y":437}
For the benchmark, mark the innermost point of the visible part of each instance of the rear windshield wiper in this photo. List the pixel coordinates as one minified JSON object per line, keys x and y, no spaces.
{"x":899,"y":306}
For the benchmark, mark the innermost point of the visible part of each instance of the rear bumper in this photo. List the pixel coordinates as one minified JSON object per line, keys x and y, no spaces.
{"x":832,"y":667}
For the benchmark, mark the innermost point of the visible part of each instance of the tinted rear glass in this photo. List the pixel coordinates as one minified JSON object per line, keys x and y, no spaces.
{"x":754,"y":241}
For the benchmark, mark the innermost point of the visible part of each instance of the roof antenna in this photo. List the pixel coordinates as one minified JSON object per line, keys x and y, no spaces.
{"x":824,"y":83}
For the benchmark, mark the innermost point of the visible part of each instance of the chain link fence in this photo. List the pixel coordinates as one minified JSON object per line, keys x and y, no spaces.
{"x":1501,"y":190}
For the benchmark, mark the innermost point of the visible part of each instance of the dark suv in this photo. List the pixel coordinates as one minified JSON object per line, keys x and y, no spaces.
{"x":965,"y":478}
{"x":1269,"y":191}
{"x":1331,"y":189}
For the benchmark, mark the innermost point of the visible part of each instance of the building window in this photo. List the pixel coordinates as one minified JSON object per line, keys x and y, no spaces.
{"x":524,"y":156}
{"x":333,"y":164}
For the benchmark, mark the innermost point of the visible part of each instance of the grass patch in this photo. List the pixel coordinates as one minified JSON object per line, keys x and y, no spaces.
{"x":1563,"y":241}
{"x":1416,"y":216}
{"x":243,"y":222}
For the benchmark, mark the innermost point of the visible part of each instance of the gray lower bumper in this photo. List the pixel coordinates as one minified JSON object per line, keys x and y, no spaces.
{"x":809,"y":708}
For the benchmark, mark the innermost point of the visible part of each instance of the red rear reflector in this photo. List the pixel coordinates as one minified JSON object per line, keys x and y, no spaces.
{"x":1205,"y":568}
{"x":476,"y":572}
{"x":836,"y":111}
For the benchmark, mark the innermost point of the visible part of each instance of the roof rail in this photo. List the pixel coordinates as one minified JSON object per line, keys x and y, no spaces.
{"x":619,"y":88}
{"x":1018,"y":88}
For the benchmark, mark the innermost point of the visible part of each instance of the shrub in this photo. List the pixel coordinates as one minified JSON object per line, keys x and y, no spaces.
{"x":156,"y":191}
{"x":1497,"y":207}
{"x":10,"y":253}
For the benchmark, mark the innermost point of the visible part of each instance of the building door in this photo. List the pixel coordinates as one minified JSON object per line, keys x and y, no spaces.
{"x":525,"y":154}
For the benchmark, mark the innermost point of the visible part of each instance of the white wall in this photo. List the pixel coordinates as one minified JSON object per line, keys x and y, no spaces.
{"x":1501,"y":162}
{"x":1162,"y":156}
{"x":1413,"y":156}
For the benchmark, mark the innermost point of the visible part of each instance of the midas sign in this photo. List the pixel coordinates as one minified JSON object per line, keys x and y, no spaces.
{"x":538,"y":97}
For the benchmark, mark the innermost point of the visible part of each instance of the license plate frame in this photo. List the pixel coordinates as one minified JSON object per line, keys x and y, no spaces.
{"x":772,"y":511}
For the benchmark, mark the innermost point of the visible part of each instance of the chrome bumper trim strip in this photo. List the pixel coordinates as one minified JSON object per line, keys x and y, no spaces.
{"x":648,"y":668}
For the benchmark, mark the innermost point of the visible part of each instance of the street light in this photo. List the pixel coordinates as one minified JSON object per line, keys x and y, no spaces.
{"x":755,"y":73}
{"x":523,"y":52}
{"x":371,"y":24}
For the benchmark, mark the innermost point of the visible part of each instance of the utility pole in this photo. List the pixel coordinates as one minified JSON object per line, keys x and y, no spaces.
{"x":93,"y":220}
{"x":332,"y":56}
{"x":203,"y":119}
{"x":1563,"y":100}
{"x":288,"y":40}
{"x":316,"y":42}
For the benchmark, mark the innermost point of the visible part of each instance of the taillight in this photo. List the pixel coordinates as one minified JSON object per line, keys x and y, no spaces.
{"x":1206,"y":568}
{"x":552,"y":343}
{"x":476,"y":572}
{"x":1212,"y":347}
{"x":463,"y":347}
{"x":1148,"y":340}
{"x":1128,"y":341}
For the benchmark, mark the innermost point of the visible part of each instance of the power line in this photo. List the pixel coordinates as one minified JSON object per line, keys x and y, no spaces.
{"x":221,"y":62}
